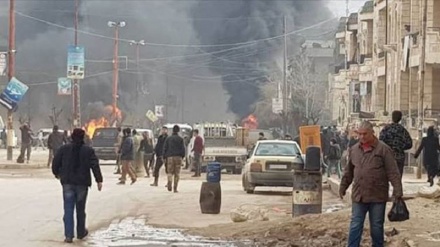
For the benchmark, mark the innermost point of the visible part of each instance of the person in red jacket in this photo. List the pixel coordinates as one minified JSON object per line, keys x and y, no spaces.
{"x":198,"y":150}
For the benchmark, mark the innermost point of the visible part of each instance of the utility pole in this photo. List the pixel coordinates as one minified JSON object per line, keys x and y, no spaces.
{"x":137,"y":44}
{"x":116,"y":26}
{"x":348,"y":106}
{"x":285,"y":105}
{"x":422,"y":67}
{"x":11,"y":73}
{"x":76,"y":90}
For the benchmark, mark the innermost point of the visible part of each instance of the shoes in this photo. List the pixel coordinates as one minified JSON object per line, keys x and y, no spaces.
{"x":154,"y":184}
{"x":121,"y":183}
{"x":84,"y":236}
{"x":133,"y":181}
{"x":68,"y":240}
{"x":169,"y":186}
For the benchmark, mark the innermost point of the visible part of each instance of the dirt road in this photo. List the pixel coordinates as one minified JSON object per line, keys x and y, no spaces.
{"x":31,"y":205}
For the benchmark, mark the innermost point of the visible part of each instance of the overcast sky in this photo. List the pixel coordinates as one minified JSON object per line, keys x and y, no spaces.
{"x":338,"y":6}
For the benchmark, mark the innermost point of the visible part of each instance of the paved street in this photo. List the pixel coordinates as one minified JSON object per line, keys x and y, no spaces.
{"x":31,"y":204}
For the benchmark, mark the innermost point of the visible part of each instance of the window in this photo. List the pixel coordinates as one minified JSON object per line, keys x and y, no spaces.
{"x":277,"y":149}
{"x":106,"y":133}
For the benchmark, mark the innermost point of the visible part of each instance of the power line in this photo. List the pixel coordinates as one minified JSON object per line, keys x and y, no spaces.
{"x":55,"y":82}
{"x":178,"y":45}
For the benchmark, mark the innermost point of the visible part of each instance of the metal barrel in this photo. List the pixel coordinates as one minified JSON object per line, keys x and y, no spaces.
{"x":307,"y":193}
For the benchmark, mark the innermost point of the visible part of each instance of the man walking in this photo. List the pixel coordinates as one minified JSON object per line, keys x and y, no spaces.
{"x":54,"y":142}
{"x":174,"y":152}
{"x":71,"y":165}
{"x":147,"y":151}
{"x":198,"y":150}
{"x":118,"y":149}
{"x":334,"y":158}
{"x":40,"y":138}
{"x":127,"y":157}
{"x":371,"y":166}
{"x":138,"y":165}
{"x":397,"y":138}
{"x":26,"y":143}
{"x":158,"y":151}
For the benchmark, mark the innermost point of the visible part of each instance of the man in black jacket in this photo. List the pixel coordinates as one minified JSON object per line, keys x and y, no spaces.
{"x":174,"y":152}
{"x":71,"y":165}
{"x":158,"y":151}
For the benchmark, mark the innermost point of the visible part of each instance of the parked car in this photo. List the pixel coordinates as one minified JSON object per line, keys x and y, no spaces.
{"x":271,"y":163}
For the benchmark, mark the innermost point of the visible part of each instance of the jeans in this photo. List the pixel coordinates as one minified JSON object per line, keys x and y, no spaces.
{"x":376,"y":216}
{"x":197,"y":163}
{"x":74,"y":196}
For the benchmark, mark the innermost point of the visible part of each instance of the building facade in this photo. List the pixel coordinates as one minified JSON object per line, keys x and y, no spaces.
{"x":382,"y":45}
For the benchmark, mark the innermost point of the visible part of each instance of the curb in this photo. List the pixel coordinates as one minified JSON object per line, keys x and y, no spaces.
{"x":334,"y":188}
{"x":24,"y":166}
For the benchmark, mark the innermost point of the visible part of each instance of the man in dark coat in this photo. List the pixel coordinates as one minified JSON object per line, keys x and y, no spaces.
{"x":430,"y":147}
{"x":174,"y":152}
{"x":127,"y":157}
{"x":54,"y":142}
{"x":71,"y":165}
{"x":397,"y":138}
{"x":371,"y":167}
{"x":158,"y":151}
{"x":26,"y":143}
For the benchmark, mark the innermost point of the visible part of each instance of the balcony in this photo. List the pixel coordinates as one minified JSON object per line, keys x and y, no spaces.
{"x":433,"y":46}
{"x":353,"y":72}
{"x":380,"y":4}
{"x":366,"y":71}
{"x":340,"y":80}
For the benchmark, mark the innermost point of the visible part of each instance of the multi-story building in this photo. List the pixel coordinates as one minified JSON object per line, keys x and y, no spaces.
{"x":382,"y":44}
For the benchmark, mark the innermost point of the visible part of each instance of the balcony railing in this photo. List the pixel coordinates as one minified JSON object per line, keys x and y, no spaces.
{"x":366,"y":70}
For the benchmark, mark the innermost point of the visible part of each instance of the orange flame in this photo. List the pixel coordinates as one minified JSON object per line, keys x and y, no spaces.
{"x":250,"y":122}
{"x":105,"y":120}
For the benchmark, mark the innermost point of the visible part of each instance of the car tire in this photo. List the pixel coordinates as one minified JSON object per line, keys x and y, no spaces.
{"x":249,"y":188}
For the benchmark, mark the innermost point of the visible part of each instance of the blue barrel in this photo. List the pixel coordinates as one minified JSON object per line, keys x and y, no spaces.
{"x":213,"y":172}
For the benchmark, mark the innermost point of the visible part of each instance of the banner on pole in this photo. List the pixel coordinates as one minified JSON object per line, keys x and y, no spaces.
{"x":64,"y":86}
{"x":159,"y":110}
{"x":277,"y":105}
{"x":3,"y":63}
{"x":75,"y":62}
{"x":13,"y":94}
{"x":150,"y":115}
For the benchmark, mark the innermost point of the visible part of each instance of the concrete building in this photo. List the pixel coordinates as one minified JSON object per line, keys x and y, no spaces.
{"x":382,"y":44}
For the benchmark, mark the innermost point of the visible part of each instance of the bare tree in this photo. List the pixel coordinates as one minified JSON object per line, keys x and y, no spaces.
{"x":54,"y":117}
{"x":306,"y":91}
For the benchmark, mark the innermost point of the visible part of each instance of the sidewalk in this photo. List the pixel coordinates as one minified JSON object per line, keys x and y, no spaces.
{"x":411,"y":186}
{"x":38,"y":160}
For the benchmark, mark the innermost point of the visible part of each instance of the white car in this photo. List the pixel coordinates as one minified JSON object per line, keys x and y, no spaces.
{"x":271,"y":163}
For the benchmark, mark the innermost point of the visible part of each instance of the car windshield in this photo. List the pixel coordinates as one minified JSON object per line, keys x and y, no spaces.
{"x":105,"y":133}
{"x":277,"y":149}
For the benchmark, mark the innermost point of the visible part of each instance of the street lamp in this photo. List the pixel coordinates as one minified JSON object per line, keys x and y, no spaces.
{"x":137,"y":44}
{"x":116,"y":26}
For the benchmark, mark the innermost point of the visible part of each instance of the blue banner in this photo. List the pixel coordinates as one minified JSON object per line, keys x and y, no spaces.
{"x":75,"y":62}
{"x":13,"y":94}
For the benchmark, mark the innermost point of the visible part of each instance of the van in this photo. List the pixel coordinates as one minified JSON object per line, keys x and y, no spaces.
{"x":105,"y":141}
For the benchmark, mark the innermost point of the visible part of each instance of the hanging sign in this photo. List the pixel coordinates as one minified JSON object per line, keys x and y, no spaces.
{"x":13,"y":94}
{"x":3,"y":63}
{"x":64,"y":86}
{"x":159,"y":110}
{"x":75,"y":62}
